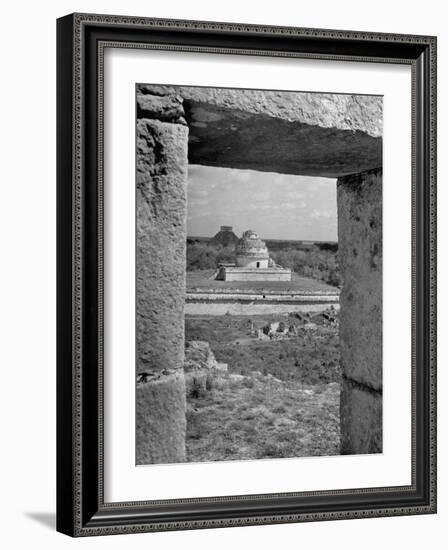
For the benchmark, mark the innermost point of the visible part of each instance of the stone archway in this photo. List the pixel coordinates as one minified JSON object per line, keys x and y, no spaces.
{"x":327,"y":135}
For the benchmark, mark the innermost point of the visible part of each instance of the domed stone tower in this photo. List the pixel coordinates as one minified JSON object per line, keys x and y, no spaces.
{"x":252,"y":262}
{"x":251,"y":251}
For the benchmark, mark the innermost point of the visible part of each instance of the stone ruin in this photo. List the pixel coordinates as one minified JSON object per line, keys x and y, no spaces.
{"x":200,"y":367}
{"x":252,"y":262}
{"x":314,"y":134}
{"x":225,"y":237}
{"x":279,"y":330}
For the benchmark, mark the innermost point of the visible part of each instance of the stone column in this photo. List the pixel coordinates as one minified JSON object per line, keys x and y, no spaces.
{"x":162,"y":139}
{"x":360,"y":257}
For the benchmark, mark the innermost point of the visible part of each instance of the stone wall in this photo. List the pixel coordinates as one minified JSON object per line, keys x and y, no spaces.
{"x":257,"y":274}
{"x":360,"y":257}
{"x":247,"y":261}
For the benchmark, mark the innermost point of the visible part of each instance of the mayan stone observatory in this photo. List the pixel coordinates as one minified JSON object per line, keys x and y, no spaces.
{"x":237,"y":289}
{"x":252,"y":262}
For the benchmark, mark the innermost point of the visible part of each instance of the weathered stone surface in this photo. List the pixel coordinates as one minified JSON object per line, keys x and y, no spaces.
{"x":160,"y":419}
{"x":198,"y":355}
{"x":160,"y":287}
{"x":161,"y":225}
{"x":360,"y":334}
{"x":254,"y":274}
{"x":167,"y":108}
{"x":361,"y":259}
{"x":288,"y":132}
{"x":361,"y":412}
{"x":345,"y":112}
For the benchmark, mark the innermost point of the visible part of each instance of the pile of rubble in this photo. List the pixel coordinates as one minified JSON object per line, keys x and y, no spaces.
{"x":298,"y":321}
{"x":200,"y":367}
{"x":327,"y":318}
{"x":277,"y":330}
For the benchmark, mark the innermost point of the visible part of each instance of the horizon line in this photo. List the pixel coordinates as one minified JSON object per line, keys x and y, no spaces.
{"x":268,"y":239}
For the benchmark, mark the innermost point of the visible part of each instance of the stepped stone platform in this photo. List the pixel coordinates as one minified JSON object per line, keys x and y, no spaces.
{"x":207,"y":296}
{"x":203,"y":282}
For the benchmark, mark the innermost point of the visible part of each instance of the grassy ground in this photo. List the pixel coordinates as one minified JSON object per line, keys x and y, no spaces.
{"x":262,"y":417}
{"x":204,"y":280}
{"x":279,"y":398}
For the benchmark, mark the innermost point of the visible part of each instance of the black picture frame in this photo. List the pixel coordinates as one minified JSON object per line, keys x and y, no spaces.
{"x":81,"y":510}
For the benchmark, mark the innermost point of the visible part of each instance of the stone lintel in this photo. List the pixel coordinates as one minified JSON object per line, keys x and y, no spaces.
{"x":301,"y":133}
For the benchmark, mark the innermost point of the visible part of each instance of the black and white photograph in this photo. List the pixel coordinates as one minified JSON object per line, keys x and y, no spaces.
{"x":222,"y":275}
{"x":278,"y":198}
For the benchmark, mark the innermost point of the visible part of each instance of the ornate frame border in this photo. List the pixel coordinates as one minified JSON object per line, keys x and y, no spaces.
{"x":82,"y":39}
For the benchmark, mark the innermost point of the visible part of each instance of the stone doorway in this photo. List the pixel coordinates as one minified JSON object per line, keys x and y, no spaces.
{"x":330,"y":135}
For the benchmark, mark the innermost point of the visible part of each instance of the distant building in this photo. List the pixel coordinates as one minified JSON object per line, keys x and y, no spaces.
{"x":225,"y":236}
{"x":251,"y":251}
{"x":252,"y":262}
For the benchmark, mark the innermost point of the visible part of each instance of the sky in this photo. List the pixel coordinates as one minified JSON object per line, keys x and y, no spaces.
{"x":276,"y":206}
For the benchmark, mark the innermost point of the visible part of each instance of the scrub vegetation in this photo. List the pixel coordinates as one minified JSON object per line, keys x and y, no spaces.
{"x":280,"y":395}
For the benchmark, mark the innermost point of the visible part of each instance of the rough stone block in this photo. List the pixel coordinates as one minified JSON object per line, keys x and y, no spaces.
{"x":161,"y":225}
{"x":361,"y":260}
{"x":361,"y":413}
{"x":160,"y":419}
{"x":200,"y":367}
{"x":167,"y":108}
